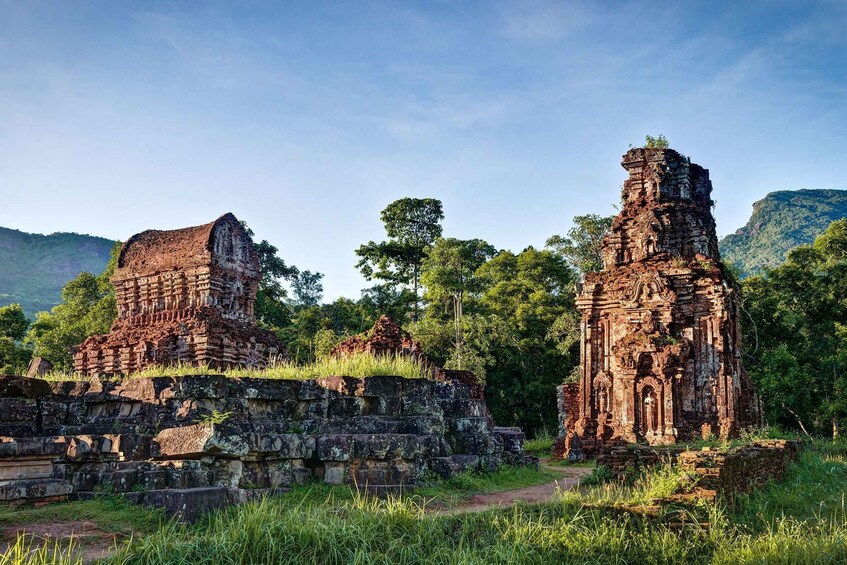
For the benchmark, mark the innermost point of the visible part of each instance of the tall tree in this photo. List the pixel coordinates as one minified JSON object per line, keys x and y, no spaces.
{"x":13,"y":326}
{"x":449,"y":274}
{"x":412,"y":226}
{"x":795,"y":332}
{"x":583,"y":246}
{"x":270,"y":307}
{"x":307,"y":288}
{"x":529,"y":291}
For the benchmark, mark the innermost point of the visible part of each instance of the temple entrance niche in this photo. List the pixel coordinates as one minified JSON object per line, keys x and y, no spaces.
{"x":649,"y":400}
{"x":602,"y":394}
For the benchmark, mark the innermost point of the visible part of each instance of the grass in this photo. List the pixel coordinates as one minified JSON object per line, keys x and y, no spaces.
{"x":111,"y":514}
{"x":541,"y":445}
{"x":800,"y":520}
{"x":360,"y":365}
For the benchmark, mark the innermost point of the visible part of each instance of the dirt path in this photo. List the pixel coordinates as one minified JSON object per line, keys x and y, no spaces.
{"x":539,"y":493}
{"x":89,"y":542}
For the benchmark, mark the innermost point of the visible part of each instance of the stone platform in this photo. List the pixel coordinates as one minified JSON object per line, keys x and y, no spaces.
{"x":199,"y":442}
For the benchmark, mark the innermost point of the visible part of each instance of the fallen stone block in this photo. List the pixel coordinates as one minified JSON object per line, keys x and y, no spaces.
{"x":190,"y":442}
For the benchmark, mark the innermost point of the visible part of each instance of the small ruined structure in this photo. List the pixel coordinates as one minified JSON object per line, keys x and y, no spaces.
{"x":660,"y":359}
{"x":183,"y":296}
{"x":385,"y":338}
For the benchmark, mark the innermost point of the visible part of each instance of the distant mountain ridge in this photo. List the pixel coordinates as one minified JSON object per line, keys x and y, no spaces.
{"x":35,"y":267}
{"x":780,"y":222}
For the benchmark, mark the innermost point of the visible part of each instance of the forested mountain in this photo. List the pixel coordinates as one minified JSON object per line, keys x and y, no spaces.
{"x":780,"y":222}
{"x":35,"y":267}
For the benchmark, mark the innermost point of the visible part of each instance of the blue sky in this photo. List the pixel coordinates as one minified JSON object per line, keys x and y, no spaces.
{"x":307,"y":118}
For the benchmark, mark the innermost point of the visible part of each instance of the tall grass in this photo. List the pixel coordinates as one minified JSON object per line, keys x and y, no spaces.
{"x":800,"y":520}
{"x":359,"y":365}
{"x":29,"y":550}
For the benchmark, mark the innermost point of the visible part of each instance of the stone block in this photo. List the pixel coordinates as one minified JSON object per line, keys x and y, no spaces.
{"x":13,"y":386}
{"x":200,"y":439}
{"x":185,"y":504}
{"x":383,"y":387}
{"x":33,"y":489}
{"x":446,"y":467}
{"x":334,"y":447}
{"x":335,"y":473}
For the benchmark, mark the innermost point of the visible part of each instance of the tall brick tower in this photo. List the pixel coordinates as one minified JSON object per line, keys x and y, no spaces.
{"x":660,"y":358}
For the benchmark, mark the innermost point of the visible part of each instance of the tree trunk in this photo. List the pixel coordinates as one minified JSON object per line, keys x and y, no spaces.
{"x":834,"y":428}
{"x":457,"y":319}
{"x":799,"y":421}
{"x":415,"y":290}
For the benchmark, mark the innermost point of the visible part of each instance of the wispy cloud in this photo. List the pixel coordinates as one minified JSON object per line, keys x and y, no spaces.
{"x":538,"y":20}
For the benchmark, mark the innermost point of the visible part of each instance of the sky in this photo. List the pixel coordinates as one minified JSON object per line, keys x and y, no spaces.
{"x":305,"y":119}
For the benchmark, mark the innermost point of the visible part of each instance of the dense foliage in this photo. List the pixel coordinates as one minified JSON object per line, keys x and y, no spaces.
{"x":796,"y":334}
{"x":780,"y":222}
{"x":14,"y":355}
{"x":34,"y":267}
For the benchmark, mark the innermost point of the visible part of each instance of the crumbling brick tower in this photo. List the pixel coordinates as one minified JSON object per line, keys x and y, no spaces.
{"x":183,"y":296}
{"x":660,"y":358}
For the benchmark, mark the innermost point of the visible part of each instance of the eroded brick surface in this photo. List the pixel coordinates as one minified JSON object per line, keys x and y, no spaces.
{"x":660,"y":357}
{"x":183,"y":296}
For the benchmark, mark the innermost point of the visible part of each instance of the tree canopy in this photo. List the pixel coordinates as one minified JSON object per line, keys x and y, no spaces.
{"x":412,"y":226}
{"x":796,"y":334}
{"x":582,"y":247}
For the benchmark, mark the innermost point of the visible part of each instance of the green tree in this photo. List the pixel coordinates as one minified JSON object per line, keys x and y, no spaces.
{"x":87,"y":308}
{"x":583,"y":246}
{"x":270,"y":307}
{"x":412,"y":226}
{"x":13,"y":322}
{"x":14,"y":356}
{"x":449,"y":275}
{"x":529,"y":292}
{"x":307,"y":288}
{"x":794,"y":328}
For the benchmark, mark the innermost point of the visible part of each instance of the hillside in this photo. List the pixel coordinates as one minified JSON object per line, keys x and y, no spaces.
{"x":781,"y":221}
{"x":35,"y":267}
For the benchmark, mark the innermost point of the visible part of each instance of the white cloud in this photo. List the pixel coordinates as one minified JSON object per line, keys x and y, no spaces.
{"x":540,"y":20}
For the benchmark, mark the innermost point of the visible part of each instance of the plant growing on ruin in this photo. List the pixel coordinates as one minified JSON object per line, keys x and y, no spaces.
{"x":216,"y":417}
{"x":658,"y":142}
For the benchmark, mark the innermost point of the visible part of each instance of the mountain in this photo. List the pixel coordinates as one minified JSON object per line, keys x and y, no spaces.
{"x":35,"y":267}
{"x":780,"y":222}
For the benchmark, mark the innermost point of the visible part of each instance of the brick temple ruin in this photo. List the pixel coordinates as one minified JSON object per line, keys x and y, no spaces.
{"x":183,"y":296}
{"x":660,"y":349}
{"x":194,"y":443}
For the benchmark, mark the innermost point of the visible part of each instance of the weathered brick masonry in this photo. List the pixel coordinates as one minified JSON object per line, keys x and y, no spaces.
{"x":198,"y":442}
{"x":660,"y":349}
{"x":183,"y":296}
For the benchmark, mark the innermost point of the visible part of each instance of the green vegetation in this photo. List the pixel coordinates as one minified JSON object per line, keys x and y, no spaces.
{"x":780,"y":222}
{"x":541,"y":445}
{"x":583,"y":246}
{"x":14,"y":355}
{"x":795,"y":329}
{"x":34,"y":267}
{"x":359,"y":365}
{"x":658,"y":142}
{"x":412,"y":226}
{"x":88,"y":307}
{"x":799,"y":520}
